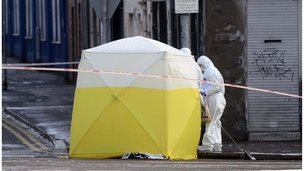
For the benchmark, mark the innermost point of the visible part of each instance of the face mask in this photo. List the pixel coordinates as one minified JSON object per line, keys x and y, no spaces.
{"x":202,"y":68}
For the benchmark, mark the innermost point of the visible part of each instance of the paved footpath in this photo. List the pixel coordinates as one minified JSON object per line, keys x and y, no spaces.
{"x":17,"y":164}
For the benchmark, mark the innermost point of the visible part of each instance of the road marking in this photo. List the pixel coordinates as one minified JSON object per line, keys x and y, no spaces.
{"x":22,"y":139}
{"x":42,"y":64}
{"x":34,"y":140}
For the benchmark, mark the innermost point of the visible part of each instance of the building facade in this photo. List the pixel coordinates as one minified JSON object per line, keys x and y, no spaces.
{"x":36,"y":30}
{"x":253,"y":43}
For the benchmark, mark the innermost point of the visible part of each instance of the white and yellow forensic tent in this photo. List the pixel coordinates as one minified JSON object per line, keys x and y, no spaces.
{"x":133,"y":108}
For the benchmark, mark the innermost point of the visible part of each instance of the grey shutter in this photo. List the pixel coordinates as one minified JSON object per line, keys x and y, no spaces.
{"x":273,"y":63}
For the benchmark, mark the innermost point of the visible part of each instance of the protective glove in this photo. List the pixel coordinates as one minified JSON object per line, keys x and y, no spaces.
{"x":203,"y":93}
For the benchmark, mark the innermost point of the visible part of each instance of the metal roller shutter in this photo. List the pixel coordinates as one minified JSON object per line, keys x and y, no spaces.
{"x":273,"y":63}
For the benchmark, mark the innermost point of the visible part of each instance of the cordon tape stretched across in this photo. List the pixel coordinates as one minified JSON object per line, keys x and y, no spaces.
{"x":41,"y":64}
{"x":22,"y":67}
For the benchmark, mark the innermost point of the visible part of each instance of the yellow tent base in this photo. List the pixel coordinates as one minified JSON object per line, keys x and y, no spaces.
{"x":109,"y":121}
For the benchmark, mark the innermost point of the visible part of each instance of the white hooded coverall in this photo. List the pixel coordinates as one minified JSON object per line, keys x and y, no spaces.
{"x":212,"y":139}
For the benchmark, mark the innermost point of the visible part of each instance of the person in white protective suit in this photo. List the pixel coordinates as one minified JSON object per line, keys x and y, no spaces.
{"x":186,"y":50}
{"x":215,"y":101}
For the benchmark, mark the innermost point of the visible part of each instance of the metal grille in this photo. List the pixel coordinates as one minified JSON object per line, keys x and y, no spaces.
{"x":273,"y":63}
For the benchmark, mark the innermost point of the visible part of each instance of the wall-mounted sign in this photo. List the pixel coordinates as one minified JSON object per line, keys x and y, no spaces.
{"x":186,"y":6}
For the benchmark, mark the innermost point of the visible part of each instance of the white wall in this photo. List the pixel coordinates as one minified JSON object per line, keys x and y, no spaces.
{"x":135,"y":18}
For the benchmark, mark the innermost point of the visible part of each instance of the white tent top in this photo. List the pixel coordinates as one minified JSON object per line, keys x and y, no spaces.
{"x":136,"y":44}
{"x":137,"y":55}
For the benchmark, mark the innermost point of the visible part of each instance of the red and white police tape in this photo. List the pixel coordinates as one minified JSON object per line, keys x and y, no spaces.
{"x":25,"y":67}
{"x":41,"y":64}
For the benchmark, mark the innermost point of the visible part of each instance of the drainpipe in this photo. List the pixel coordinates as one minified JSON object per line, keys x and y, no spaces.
{"x":4,"y":79}
{"x":185,"y":32}
{"x":104,"y":23}
{"x":37,"y":35}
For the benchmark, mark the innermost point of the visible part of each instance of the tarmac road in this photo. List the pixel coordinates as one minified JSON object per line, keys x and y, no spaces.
{"x":24,"y":164}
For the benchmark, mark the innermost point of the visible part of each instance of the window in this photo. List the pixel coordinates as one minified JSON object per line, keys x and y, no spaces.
{"x":56,"y":21}
{"x":16,"y":16}
{"x":42,"y":19}
{"x":159,"y":19}
{"x":28,"y":19}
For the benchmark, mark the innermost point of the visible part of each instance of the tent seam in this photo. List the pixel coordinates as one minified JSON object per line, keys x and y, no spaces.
{"x":93,"y":124}
{"x":141,"y":125}
{"x":91,"y":63}
{"x":137,"y":78}
{"x":185,"y":126}
{"x":112,"y":92}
